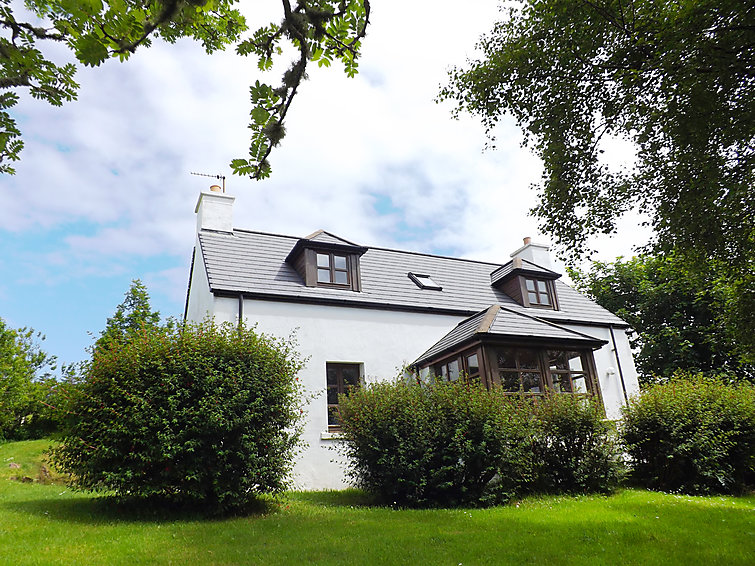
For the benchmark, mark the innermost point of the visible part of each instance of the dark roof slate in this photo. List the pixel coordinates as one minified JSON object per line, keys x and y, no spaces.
{"x":504,"y":322}
{"x":254,"y":263}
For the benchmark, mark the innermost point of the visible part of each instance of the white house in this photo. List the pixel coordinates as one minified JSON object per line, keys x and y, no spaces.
{"x":362,"y":314}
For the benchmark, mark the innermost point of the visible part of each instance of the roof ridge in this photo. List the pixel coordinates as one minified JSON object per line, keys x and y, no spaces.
{"x":408,"y":252}
{"x":490,"y":316}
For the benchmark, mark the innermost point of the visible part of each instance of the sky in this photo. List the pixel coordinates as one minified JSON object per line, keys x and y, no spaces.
{"x":104,"y":194}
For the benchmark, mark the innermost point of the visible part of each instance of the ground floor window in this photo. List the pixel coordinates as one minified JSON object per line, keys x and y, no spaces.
{"x":521,"y":369}
{"x":341,"y":378}
{"x":531,"y":370}
{"x":465,"y":364}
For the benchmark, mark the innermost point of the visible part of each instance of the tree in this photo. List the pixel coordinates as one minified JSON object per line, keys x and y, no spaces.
{"x":677,"y":79}
{"x":191,"y":414}
{"x":25,"y":376}
{"x":132,"y":315}
{"x":681,"y":319}
{"x":320,"y":31}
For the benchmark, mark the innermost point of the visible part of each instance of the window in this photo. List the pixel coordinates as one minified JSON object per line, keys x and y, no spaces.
{"x":327,"y":264}
{"x":531,"y":371}
{"x":567,"y":372}
{"x":452,"y":369}
{"x":538,"y":292}
{"x":473,"y":366}
{"x":519,"y":370}
{"x":332,"y":269}
{"x":448,"y":370}
{"x":424,"y":282}
{"x":341,"y":379}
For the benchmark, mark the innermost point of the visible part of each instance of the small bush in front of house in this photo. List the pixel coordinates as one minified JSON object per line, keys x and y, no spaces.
{"x":692,"y":434}
{"x":193,"y":414}
{"x":442,"y":444}
{"x":575,"y":449}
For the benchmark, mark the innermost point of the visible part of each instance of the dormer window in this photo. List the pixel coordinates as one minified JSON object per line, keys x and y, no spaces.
{"x":424,"y":282}
{"x":538,"y":292}
{"x":332,"y":269}
{"x":325,"y":260}
{"x":528,"y":284}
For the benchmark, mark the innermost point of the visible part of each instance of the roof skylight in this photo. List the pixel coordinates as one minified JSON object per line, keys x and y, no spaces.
{"x":424,"y":281}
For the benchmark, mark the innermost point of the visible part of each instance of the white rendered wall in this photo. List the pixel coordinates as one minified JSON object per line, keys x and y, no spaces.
{"x":607,"y":367}
{"x":201,"y":300}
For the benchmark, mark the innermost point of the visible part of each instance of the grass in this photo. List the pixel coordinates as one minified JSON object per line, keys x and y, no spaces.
{"x":49,"y":524}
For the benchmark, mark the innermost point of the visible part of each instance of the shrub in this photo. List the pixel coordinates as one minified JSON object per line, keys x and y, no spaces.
{"x":447,"y":444}
{"x":25,"y":385}
{"x":442,"y":444}
{"x":693,"y":434}
{"x":574,"y":447}
{"x":191,"y":414}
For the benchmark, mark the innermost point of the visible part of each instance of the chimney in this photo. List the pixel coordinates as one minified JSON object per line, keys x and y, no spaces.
{"x":539,"y":254}
{"x":215,"y":211}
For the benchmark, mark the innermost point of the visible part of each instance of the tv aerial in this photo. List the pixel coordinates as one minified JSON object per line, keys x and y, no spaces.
{"x":221,"y":177}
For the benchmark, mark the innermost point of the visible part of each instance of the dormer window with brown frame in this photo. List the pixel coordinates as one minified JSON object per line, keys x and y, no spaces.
{"x":528,"y":284}
{"x":538,"y":293}
{"x":333,"y":269}
{"x":330,"y":262}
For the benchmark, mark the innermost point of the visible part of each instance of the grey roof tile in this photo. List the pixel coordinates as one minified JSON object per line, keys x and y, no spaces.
{"x":254,"y":263}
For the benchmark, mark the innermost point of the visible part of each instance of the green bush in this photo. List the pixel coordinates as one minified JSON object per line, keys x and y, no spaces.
{"x":448,"y":444}
{"x":436,"y":445}
{"x":693,"y":434}
{"x":195,"y":414}
{"x":574,"y":447}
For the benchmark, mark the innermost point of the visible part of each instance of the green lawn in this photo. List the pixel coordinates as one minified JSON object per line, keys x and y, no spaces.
{"x":48,"y":524}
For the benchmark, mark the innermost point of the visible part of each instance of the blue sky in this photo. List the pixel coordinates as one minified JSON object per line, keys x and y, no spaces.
{"x":103,"y":193}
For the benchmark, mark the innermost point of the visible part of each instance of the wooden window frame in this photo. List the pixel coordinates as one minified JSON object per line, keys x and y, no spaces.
{"x":461,"y":357}
{"x":587,"y":361}
{"x":519,"y":369}
{"x":550,"y":292}
{"x":352,"y":269}
{"x":341,"y":389}
{"x":332,"y":269}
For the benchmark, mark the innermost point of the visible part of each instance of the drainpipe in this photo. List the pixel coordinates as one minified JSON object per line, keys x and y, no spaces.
{"x":618,"y":364}
{"x":241,"y":311}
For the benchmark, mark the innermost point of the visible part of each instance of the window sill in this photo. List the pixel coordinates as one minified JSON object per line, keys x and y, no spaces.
{"x":331,"y":435}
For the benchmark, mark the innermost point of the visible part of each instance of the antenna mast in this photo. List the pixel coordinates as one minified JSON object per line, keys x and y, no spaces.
{"x":221,"y":177}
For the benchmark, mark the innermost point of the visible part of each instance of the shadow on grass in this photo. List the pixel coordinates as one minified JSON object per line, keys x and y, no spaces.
{"x":98,"y":510}
{"x":341,"y":498}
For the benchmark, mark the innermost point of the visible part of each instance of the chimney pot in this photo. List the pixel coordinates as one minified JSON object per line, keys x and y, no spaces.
{"x":527,"y":241}
{"x":216,"y":189}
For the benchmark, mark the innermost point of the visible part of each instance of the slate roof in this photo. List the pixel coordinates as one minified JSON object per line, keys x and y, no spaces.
{"x":504,"y":322}
{"x":253,"y":263}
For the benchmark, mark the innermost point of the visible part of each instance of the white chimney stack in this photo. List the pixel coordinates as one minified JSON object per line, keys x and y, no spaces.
{"x":539,"y":254}
{"x":215,"y":211}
